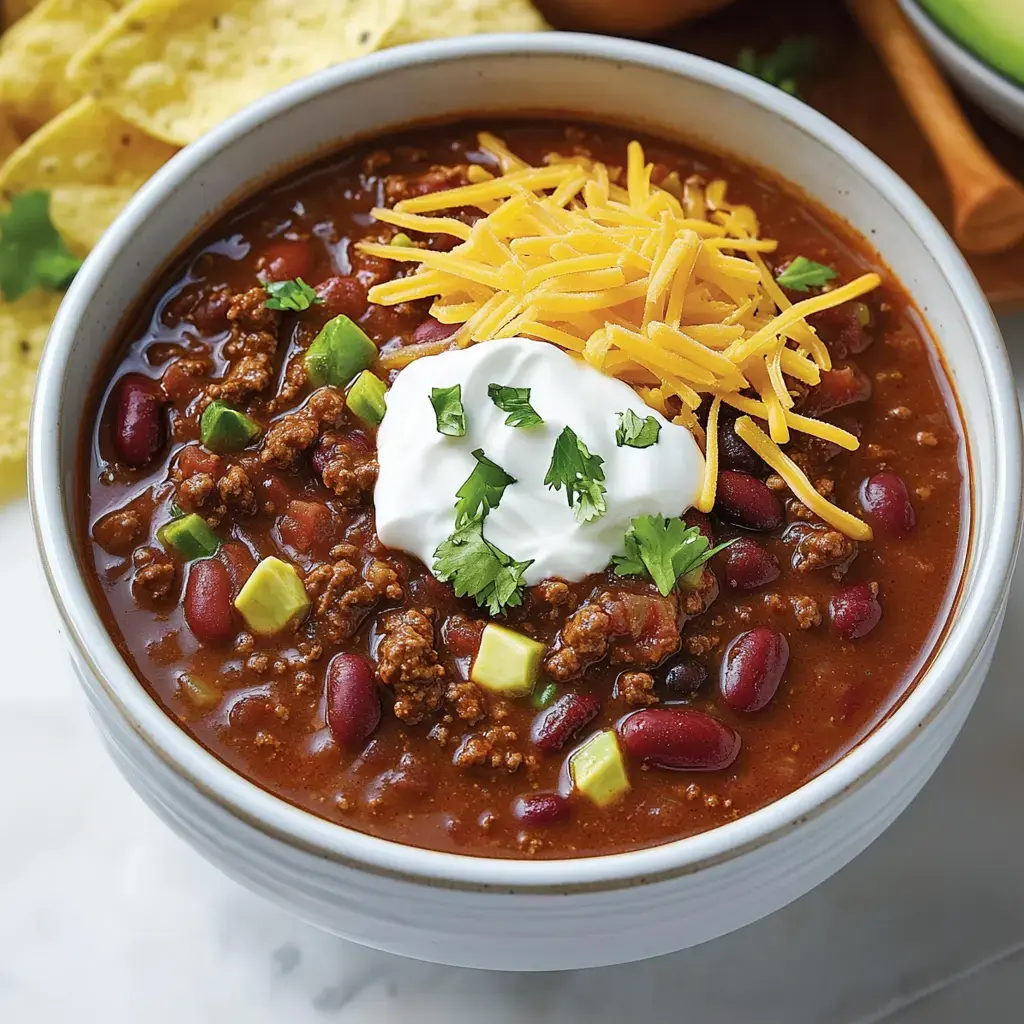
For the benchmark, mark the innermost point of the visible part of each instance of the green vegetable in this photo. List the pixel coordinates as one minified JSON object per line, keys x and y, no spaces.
{"x":448,"y":410}
{"x":32,"y":254}
{"x":598,"y":770}
{"x":545,"y":697}
{"x":224,"y":429}
{"x":573,"y":467}
{"x":401,"y":239}
{"x":338,"y":353}
{"x":993,"y":29}
{"x":273,"y":597}
{"x":198,"y":692}
{"x":366,"y":398}
{"x":516,"y":402}
{"x":482,"y":490}
{"x":476,"y":568}
{"x":291,"y":295}
{"x":663,"y":549}
{"x":189,"y":536}
{"x":792,"y":58}
{"x":634,"y":432}
{"x":803,"y":273}
{"x":507,"y":662}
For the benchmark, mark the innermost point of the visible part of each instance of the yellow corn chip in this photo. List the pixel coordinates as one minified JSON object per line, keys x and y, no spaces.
{"x":90,"y":161}
{"x":437,"y":19}
{"x":34,"y":55}
{"x":23,"y":328}
{"x":176,"y":68}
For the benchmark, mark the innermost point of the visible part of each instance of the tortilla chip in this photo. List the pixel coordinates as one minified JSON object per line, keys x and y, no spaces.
{"x":438,"y":19}
{"x":176,"y":68}
{"x":23,"y":328}
{"x":90,"y":161}
{"x":34,"y":55}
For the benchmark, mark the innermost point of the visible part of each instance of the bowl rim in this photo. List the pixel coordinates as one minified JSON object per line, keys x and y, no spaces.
{"x":300,"y":830}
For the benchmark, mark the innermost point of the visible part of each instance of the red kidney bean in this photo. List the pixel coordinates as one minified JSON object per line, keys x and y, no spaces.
{"x":748,"y":502}
{"x":749,"y":565}
{"x":433,"y":330}
{"x":343,"y":295}
{"x":208,"y":609}
{"x":703,"y":523}
{"x":238,"y":561}
{"x":735,"y":453}
{"x":353,"y":700}
{"x":541,"y":809}
{"x":884,"y":498}
{"x":685,"y":676}
{"x":139,"y":429}
{"x":855,"y":610}
{"x":210,"y":315}
{"x":752,"y":668}
{"x":679,"y":738}
{"x":843,"y":386}
{"x":553,"y":726}
{"x":287,"y":260}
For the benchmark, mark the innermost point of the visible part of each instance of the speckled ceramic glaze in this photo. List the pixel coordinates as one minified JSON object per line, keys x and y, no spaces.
{"x":496,"y":913}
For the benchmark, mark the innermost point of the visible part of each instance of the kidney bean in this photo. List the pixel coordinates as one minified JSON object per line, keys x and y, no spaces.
{"x":239,"y":563}
{"x":752,"y":668}
{"x":843,"y":386}
{"x":685,"y":676}
{"x":735,"y":453}
{"x":748,"y":502}
{"x":208,"y":609}
{"x":210,"y":314}
{"x":433,"y":330}
{"x":703,"y":523}
{"x":287,"y":260}
{"x":353,"y":700}
{"x":855,"y":610}
{"x":139,"y":429}
{"x":679,"y":738}
{"x":541,"y":809}
{"x":553,"y":726}
{"x":884,"y":498}
{"x":343,"y":295}
{"x":749,"y":565}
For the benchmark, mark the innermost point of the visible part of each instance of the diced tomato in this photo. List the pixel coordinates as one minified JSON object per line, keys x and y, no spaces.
{"x":194,"y":458}
{"x":287,"y":260}
{"x":843,"y":386}
{"x":306,"y":526}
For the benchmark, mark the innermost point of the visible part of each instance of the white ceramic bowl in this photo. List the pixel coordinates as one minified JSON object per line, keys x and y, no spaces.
{"x":994,"y":92}
{"x":520,"y":914}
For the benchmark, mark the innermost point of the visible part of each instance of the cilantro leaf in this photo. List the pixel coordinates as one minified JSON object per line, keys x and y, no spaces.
{"x":294,"y":296}
{"x":516,"y":402}
{"x":476,"y":568}
{"x":634,"y":432}
{"x":448,"y":410}
{"x":663,"y":549}
{"x":783,"y":66}
{"x":32,"y":253}
{"x":803,"y":273}
{"x":482,"y":490}
{"x":573,"y":467}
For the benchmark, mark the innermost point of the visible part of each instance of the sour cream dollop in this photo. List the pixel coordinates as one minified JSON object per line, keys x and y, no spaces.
{"x":421,"y":469}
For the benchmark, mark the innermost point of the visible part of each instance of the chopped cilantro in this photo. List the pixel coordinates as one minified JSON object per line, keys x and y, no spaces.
{"x":448,"y":410}
{"x":573,"y":467}
{"x":476,"y":568}
{"x":783,"y":66}
{"x":663,"y":549}
{"x":482,"y":490}
{"x":803,"y":273}
{"x":294,"y":296}
{"x":32,"y":253}
{"x":516,"y":402}
{"x":634,"y":432}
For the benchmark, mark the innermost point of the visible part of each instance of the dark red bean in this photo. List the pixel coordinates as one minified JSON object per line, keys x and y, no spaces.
{"x":208,"y":609}
{"x":433,"y":330}
{"x":139,"y":428}
{"x":855,"y":610}
{"x":553,"y":726}
{"x":287,"y":260}
{"x":541,"y":809}
{"x":735,"y":453}
{"x":239,"y":562}
{"x":749,"y":565}
{"x":752,"y":668}
{"x":210,"y":314}
{"x":353,"y":700}
{"x":703,"y":523}
{"x":748,"y":502}
{"x":685,"y":676}
{"x":840,"y":387}
{"x":343,"y":295}
{"x":885,"y":499}
{"x":679,"y":738}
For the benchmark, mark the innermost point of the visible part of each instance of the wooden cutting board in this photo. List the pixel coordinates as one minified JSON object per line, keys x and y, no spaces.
{"x":851,"y":86}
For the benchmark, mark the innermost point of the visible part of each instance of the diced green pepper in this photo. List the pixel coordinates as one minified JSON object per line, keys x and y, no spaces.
{"x":597,"y":769}
{"x":338,"y":353}
{"x":273,"y":597}
{"x":366,"y":398}
{"x":189,"y":536}
{"x":544,"y":697}
{"x":224,"y":429}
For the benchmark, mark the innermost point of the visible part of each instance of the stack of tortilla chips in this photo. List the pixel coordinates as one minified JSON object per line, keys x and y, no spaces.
{"x":95,"y":95}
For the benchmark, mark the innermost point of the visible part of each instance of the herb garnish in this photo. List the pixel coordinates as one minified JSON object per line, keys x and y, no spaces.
{"x":448,"y":410}
{"x":482,"y":490}
{"x":32,"y":253}
{"x":516,"y":402}
{"x":634,"y":432}
{"x":293,"y":296}
{"x":803,"y":273}
{"x":573,"y":467}
{"x":781,"y":67}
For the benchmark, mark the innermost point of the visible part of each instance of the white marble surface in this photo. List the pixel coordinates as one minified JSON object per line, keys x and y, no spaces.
{"x":105,"y":916}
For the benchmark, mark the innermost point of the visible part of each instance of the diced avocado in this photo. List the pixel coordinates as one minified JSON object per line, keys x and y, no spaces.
{"x":598,"y":770}
{"x":366,"y":398}
{"x":993,"y":29}
{"x":189,"y":536}
{"x":224,"y":429}
{"x":338,"y":353}
{"x":273,"y":597}
{"x":507,"y":661}
{"x":401,"y":239}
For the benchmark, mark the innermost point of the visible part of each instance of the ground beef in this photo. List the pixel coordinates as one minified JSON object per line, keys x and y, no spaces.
{"x":807,"y":612}
{"x":236,"y":491}
{"x":251,"y":348}
{"x":154,"y":574}
{"x":293,"y":383}
{"x":342,"y":595}
{"x":700,"y":645}
{"x":407,"y":662}
{"x":119,"y":532}
{"x":492,"y":747}
{"x":402,"y":186}
{"x":467,"y":701}
{"x":636,"y":689}
{"x":347,"y":468}
{"x":291,"y":435}
{"x":556,"y":595}
{"x":817,"y":546}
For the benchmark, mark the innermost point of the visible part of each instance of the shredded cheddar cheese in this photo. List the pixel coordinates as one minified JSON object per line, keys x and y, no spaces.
{"x":662,"y":286}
